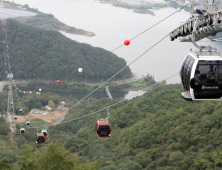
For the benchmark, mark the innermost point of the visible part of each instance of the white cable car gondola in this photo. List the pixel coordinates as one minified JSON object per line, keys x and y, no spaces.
{"x":22,"y":131}
{"x":201,"y":76}
{"x":28,"y":123}
{"x":44,"y":132}
{"x":201,"y":71}
{"x":15,"y":117}
{"x":20,"y":110}
{"x":11,"y":103}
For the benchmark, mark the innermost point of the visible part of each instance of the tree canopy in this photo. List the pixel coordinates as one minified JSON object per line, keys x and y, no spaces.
{"x":46,"y":54}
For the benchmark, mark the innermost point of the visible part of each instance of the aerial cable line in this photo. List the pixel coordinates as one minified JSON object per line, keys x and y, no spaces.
{"x":133,"y":60}
{"x":163,"y":20}
{"x":116,"y":74}
{"x":6,"y":52}
{"x":148,"y":88}
{"x":131,"y":40}
{"x":26,"y":115}
{"x":119,"y":72}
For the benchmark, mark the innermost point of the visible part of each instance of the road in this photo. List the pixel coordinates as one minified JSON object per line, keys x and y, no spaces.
{"x":135,"y":77}
{"x":2,"y":83}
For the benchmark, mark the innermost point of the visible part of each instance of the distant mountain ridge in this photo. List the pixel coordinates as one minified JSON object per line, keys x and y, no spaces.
{"x":45,"y":54}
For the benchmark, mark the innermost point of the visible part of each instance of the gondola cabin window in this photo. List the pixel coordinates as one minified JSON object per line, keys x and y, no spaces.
{"x":186,"y":71}
{"x":208,"y":79}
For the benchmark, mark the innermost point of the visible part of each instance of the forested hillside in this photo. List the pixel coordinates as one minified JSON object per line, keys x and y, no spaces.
{"x":158,"y":130}
{"x":45,"y":54}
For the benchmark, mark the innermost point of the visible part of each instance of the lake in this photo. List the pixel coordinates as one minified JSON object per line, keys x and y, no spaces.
{"x":112,"y":25}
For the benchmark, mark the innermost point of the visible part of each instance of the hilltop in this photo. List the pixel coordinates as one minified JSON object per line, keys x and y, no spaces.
{"x":36,"y":53}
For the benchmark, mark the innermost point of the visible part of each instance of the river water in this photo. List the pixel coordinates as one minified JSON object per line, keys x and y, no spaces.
{"x":112,"y":25}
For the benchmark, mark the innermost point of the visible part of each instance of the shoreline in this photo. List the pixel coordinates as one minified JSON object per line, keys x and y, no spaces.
{"x":144,"y":8}
{"x":42,"y":20}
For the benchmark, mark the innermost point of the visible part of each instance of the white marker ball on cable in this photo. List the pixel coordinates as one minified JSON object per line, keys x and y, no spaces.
{"x":80,"y":70}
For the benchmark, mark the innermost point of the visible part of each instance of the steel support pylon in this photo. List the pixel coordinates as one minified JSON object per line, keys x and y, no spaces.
{"x":10,"y":108}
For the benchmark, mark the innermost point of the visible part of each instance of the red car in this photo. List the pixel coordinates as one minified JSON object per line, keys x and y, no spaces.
{"x":103,"y":128}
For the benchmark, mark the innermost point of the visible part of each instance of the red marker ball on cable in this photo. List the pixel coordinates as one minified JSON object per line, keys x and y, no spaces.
{"x":127,"y":42}
{"x":58,"y":81}
{"x":34,"y":91}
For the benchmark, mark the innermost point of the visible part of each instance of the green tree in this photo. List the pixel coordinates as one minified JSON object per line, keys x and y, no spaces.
{"x":4,"y":164}
{"x":27,"y":160}
{"x":56,"y":157}
{"x":51,"y":103}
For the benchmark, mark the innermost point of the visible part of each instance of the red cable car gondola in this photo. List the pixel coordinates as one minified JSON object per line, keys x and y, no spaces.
{"x":8,"y":88}
{"x":40,"y":138}
{"x":16,"y":97}
{"x":103,"y":128}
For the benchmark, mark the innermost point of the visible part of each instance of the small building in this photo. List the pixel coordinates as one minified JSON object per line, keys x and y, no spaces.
{"x":48,"y":107}
{"x":36,"y":111}
{"x":63,"y":103}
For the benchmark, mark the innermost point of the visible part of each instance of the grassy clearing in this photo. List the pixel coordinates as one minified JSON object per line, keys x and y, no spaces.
{"x":138,"y":88}
{"x":25,"y":84}
{"x":138,"y":83}
{"x":142,"y":11}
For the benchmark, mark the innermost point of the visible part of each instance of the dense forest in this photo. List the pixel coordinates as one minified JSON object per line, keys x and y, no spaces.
{"x":36,"y":53}
{"x":54,"y":86}
{"x":158,"y":130}
{"x":78,"y":87}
